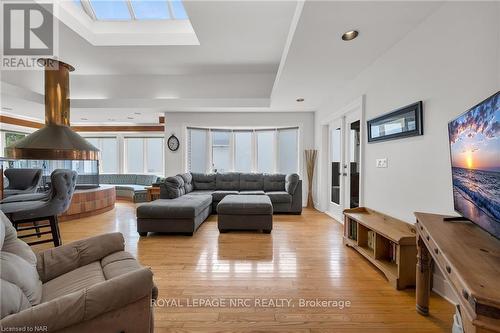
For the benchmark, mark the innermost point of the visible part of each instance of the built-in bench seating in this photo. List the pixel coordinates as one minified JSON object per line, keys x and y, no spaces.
{"x":186,"y":200}
{"x":128,"y":186}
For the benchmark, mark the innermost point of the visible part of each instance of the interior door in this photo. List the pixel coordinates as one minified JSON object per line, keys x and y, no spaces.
{"x":344,"y":164}
{"x":352,"y":167}
{"x":336,"y":168}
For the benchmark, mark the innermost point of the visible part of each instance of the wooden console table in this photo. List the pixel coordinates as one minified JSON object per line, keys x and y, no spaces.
{"x":470,"y":261}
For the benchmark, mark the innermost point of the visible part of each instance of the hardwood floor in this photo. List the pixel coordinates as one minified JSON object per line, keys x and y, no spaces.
{"x":303,"y":258}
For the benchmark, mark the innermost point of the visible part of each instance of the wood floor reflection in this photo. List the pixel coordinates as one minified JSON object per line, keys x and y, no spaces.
{"x":303,"y":258}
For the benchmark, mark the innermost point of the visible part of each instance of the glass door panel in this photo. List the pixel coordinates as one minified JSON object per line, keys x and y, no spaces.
{"x":335,"y":160}
{"x":335,"y":165}
{"x":354,"y":162}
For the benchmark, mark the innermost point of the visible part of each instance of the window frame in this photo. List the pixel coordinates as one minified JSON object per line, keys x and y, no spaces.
{"x":87,"y":7}
{"x":99,"y":146}
{"x":230,"y":147}
{"x":254,"y":147}
{"x":208,"y":141}
{"x":144,"y":154}
{"x":277,"y":146}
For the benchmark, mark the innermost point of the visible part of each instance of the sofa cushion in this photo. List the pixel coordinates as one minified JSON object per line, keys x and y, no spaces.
{"x":279,"y":197}
{"x":130,"y":187}
{"x":117,"y":179}
{"x":118,"y":263}
{"x":87,"y":179}
{"x":274,"y":182}
{"x":125,"y":179}
{"x":252,"y":192}
{"x":188,"y":182}
{"x":187,"y":206}
{"x":173,"y":188}
{"x":18,"y":271}
{"x":10,"y":243}
{"x":203,"y":181}
{"x":228,"y":181}
{"x":75,"y":280}
{"x":13,"y":299}
{"x":145,"y":180}
{"x":220,"y":194}
{"x":251,"y":181}
{"x":248,"y":205}
{"x":22,"y":179}
{"x":8,"y":193}
{"x":20,"y":284}
{"x":291,"y":182}
{"x":202,"y":192}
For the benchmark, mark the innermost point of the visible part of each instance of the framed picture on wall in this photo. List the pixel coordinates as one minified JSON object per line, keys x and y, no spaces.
{"x":401,"y":123}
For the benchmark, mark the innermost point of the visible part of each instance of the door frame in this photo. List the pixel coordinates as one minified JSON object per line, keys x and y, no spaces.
{"x":356,"y":106}
{"x":333,"y":208}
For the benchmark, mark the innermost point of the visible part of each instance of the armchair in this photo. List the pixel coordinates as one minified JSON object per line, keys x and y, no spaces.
{"x":32,"y":208}
{"x":22,"y":181}
{"x":91,"y":285}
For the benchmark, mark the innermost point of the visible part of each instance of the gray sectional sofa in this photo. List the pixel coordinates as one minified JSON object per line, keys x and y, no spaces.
{"x":186,"y":200}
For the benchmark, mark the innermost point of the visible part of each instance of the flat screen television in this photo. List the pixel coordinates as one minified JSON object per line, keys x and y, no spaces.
{"x":475,"y":164}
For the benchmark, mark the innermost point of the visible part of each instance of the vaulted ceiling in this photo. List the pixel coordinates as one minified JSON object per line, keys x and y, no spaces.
{"x":252,"y":56}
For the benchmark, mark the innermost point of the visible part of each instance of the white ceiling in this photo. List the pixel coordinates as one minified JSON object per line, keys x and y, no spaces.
{"x":243,"y":45}
{"x":319,"y":61}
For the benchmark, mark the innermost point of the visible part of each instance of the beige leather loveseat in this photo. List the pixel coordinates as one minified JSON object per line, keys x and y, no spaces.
{"x":91,"y":285}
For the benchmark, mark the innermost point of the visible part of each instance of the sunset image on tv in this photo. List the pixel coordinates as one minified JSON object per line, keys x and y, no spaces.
{"x":475,"y":158}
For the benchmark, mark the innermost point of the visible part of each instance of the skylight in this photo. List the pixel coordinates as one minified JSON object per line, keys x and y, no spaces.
{"x":150,"y":10}
{"x":128,"y":10}
{"x":110,"y":10}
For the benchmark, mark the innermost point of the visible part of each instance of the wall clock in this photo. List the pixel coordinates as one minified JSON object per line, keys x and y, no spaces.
{"x":173,"y":143}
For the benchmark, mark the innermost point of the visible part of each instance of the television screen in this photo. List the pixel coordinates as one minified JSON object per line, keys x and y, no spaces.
{"x":475,"y":163}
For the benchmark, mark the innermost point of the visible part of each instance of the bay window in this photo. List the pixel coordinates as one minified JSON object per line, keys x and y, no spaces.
{"x":134,"y":162}
{"x":265,"y":151}
{"x":144,"y":155}
{"x":287,"y":147}
{"x":197,"y":150}
{"x":154,"y":155}
{"x":243,"y":150}
{"x":221,"y":151}
{"x":109,"y":153}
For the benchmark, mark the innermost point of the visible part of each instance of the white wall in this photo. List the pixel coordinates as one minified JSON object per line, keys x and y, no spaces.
{"x":176,"y":123}
{"x":451,"y":62}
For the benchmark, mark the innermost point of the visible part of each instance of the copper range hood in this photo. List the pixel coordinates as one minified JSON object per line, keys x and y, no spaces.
{"x":55,"y":141}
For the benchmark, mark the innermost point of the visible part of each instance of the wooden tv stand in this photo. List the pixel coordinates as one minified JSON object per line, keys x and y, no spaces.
{"x":393,"y":248}
{"x":469,"y":258}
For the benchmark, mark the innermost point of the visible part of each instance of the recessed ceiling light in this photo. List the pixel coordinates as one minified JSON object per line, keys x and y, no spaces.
{"x":350,"y":35}
{"x":137,"y":113}
{"x":84,"y":119}
{"x":130,"y":118}
{"x":300,"y":99}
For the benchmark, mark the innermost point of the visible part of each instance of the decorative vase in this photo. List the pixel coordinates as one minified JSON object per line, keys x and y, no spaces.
{"x":311,"y":155}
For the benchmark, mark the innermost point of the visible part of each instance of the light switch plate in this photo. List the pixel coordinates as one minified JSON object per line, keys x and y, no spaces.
{"x":381,"y":162}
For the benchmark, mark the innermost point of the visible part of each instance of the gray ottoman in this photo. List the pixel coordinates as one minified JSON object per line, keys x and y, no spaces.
{"x":181,"y":215}
{"x":245,"y":212}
